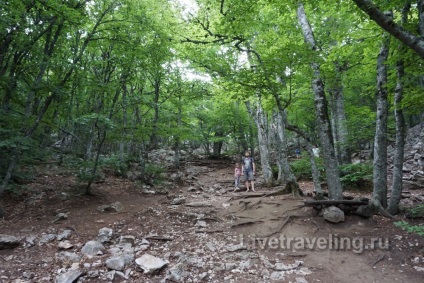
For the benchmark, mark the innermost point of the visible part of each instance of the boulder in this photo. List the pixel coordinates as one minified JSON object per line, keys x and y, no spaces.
{"x":333,"y":214}
{"x":8,"y":242}
{"x":150,"y":264}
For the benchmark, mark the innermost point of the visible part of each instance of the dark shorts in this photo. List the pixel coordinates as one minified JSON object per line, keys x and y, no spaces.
{"x":248,"y":176}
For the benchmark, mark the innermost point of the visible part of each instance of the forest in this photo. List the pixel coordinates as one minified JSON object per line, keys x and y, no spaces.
{"x":89,"y":86}
{"x":94,"y":80}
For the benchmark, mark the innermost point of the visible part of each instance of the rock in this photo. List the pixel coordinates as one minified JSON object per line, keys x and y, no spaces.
{"x":64,"y":245}
{"x":150,"y":264}
{"x":116,"y":263}
{"x":70,"y":276}
{"x":177,"y":273}
{"x":47,"y":238}
{"x":199,"y":204}
{"x":8,"y":242}
{"x":92,"y":248}
{"x":364,"y":210}
{"x":201,"y":223}
{"x":105,"y":234}
{"x":60,"y":216}
{"x":277,"y":276}
{"x":68,"y":258}
{"x":178,"y":201}
{"x":333,"y":214}
{"x":285,"y":267}
{"x":233,"y":248}
{"x":64,"y":235}
{"x":127,"y":240}
{"x":114,"y":207}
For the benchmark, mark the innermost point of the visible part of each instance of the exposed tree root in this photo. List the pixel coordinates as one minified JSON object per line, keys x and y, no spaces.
{"x":278,"y":230}
{"x":376,"y":205}
{"x":380,"y":258}
{"x":244,"y":223}
{"x":209,"y":231}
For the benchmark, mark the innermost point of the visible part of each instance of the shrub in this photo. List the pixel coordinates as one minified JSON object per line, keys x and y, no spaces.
{"x":302,"y":167}
{"x":418,"y":229}
{"x":356,"y":176}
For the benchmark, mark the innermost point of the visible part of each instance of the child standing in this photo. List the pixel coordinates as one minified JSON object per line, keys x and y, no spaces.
{"x":237,"y":174}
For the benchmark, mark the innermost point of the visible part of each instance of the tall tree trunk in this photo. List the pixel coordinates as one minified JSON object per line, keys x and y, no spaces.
{"x":396,"y":193}
{"x":340,"y":132}
{"x":314,"y":169}
{"x":380,"y":139}
{"x":330,"y":161}
{"x":285,"y":174}
{"x":154,"y":134}
{"x":177,"y":142}
{"x":261,"y":121}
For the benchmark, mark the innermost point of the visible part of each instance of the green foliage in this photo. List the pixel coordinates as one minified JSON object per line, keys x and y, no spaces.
{"x":85,"y":172}
{"x":417,"y":229}
{"x":302,"y":167}
{"x":114,"y":165}
{"x":415,"y":212}
{"x":154,"y":173}
{"x":357,"y":176}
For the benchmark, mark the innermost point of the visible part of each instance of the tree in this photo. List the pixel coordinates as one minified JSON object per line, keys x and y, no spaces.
{"x":413,"y":41}
{"x":321,"y":112}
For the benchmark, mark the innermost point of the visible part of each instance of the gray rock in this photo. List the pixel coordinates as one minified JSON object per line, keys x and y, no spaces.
{"x":116,"y":263}
{"x":70,"y":276}
{"x":150,"y":264}
{"x":177,"y":273}
{"x":127,"y":240}
{"x":105,"y":234}
{"x":68,"y":258}
{"x":333,"y":214}
{"x":277,"y":275}
{"x":64,"y":245}
{"x":47,"y":238}
{"x":8,"y":242}
{"x":64,"y":235}
{"x":178,"y":201}
{"x":113,"y":207}
{"x":92,"y":248}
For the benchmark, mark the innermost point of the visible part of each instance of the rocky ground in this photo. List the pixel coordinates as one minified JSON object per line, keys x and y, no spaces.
{"x":199,"y":231}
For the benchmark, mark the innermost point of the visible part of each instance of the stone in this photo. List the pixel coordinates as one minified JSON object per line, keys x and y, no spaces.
{"x":65,"y":245}
{"x":105,"y":234}
{"x":64,"y":235}
{"x":92,"y":248}
{"x":178,"y":201}
{"x":333,"y":214}
{"x":68,"y":258}
{"x":69,"y":276}
{"x":150,"y":264}
{"x":8,"y":242}
{"x":116,"y":263}
{"x":113,"y":207}
{"x":47,"y":238}
{"x":177,"y":273}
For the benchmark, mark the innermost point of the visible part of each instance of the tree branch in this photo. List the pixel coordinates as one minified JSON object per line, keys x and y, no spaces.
{"x":411,"y":40}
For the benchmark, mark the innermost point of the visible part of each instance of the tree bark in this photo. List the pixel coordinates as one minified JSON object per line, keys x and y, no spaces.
{"x":321,"y":112}
{"x":314,"y":169}
{"x":380,"y":139}
{"x":262,"y":128}
{"x":285,"y":174}
{"x":340,"y":132}
{"x":396,"y":193}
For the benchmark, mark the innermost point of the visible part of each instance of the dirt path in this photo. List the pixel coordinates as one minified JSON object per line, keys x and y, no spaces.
{"x":270,"y":239}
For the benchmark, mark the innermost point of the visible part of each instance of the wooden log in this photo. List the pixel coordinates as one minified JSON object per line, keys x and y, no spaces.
{"x":336,"y":202}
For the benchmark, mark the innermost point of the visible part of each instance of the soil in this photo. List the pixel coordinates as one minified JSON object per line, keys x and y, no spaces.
{"x":374,"y":249}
